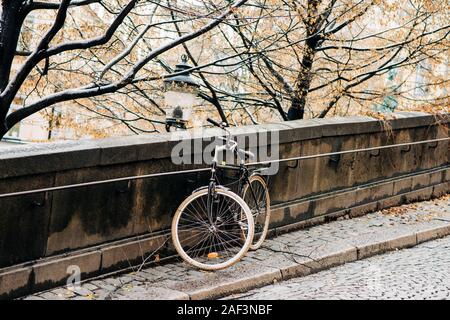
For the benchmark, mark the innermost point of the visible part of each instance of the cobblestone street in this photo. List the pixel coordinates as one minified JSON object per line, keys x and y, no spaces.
{"x":295,"y":264}
{"x":421,"y":272}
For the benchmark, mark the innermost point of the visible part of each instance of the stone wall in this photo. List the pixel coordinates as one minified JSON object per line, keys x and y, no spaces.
{"x":107,"y":227}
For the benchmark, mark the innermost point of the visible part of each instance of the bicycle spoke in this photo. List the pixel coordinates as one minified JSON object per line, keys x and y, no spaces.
{"x":217,"y":241}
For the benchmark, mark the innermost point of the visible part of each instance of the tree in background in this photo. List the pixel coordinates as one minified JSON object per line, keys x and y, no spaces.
{"x":59,"y":53}
{"x":340,"y":56}
{"x":256,"y":60}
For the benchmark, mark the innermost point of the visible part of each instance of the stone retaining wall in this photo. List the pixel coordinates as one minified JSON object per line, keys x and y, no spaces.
{"x":110,"y":226}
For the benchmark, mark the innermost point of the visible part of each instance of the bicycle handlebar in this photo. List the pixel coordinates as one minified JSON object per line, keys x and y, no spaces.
{"x":230,"y":144}
{"x":215,"y":123}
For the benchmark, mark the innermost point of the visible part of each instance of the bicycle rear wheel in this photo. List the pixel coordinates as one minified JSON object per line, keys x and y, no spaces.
{"x":214,"y":240}
{"x":259,"y":204}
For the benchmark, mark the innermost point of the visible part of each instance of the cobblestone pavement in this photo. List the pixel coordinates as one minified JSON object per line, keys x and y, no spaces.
{"x":280,"y":255}
{"x":421,"y":272}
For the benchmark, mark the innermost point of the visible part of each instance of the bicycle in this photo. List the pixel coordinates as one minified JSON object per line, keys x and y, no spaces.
{"x":214,"y":227}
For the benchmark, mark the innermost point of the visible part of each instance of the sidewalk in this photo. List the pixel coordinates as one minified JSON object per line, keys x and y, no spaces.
{"x":289,"y":255}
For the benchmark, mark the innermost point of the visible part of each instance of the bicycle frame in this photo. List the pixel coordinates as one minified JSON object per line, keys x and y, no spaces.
{"x":244,"y":178}
{"x":230,"y":145}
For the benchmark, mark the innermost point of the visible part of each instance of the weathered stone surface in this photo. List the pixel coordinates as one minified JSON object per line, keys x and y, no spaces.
{"x":432,"y":233}
{"x":436,"y":177}
{"x":290,"y":255}
{"x":56,"y":271}
{"x":239,"y":284}
{"x":332,"y":255}
{"x":363,"y":209}
{"x":420,"y":181}
{"x":295,"y":212}
{"x":447,"y":174}
{"x":403,"y":119}
{"x":48,"y":157}
{"x":419,"y":195}
{"x":419,"y":273}
{"x":24,"y":220}
{"x":130,"y":253}
{"x":441,"y":189}
{"x":153,"y":293}
{"x":402,"y":186}
{"x":369,"y":245}
{"x":15,"y":282}
{"x":334,"y":203}
{"x":373,"y":193}
{"x":84,"y":218}
{"x":390,"y":202}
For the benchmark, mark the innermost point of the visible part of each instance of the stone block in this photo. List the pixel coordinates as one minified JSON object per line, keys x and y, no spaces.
{"x":390,"y":202}
{"x":436,"y":177}
{"x":130,"y":253}
{"x":447,"y":174}
{"x":367,"y":166}
{"x":402,"y":186}
{"x":258,"y":279}
{"x":14,"y":282}
{"x":24,"y":219}
{"x":151,"y":293}
{"x":363,"y":209}
{"x":374,"y":193}
{"x":291,"y":213}
{"x":372,"y":244}
{"x":419,"y":195}
{"x":55,"y":271}
{"x":441,"y":189}
{"x":48,"y":157}
{"x":334,"y":203}
{"x":432,"y":233}
{"x":407,"y":119}
{"x":332,"y":255}
{"x":420,"y":181}
{"x":301,"y":130}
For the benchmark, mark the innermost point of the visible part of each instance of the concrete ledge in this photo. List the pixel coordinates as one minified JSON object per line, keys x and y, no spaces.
{"x":15,"y":282}
{"x":133,"y":253}
{"x":51,"y":157}
{"x":53,"y":273}
{"x":239,"y":285}
{"x":432,"y":233}
{"x":156,"y":293}
{"x":378,"y":246}
{"x":315,"y":190}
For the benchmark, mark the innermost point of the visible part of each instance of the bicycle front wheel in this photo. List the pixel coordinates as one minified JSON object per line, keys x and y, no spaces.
{"x":212,"y":239}
{"x":256,"y":195}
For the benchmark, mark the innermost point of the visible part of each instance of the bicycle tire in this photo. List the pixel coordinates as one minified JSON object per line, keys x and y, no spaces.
{"x":244,"y":211}
{"x":258,"y":180}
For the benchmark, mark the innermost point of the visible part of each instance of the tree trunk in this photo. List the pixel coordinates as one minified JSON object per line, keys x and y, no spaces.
{"x":3,"y":130}
{"x":12,"y":16}
{"x":303,"y":82}
{"x":11,"y":20}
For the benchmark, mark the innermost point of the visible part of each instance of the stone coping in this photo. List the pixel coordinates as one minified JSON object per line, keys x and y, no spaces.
{"x":57,"y":156}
